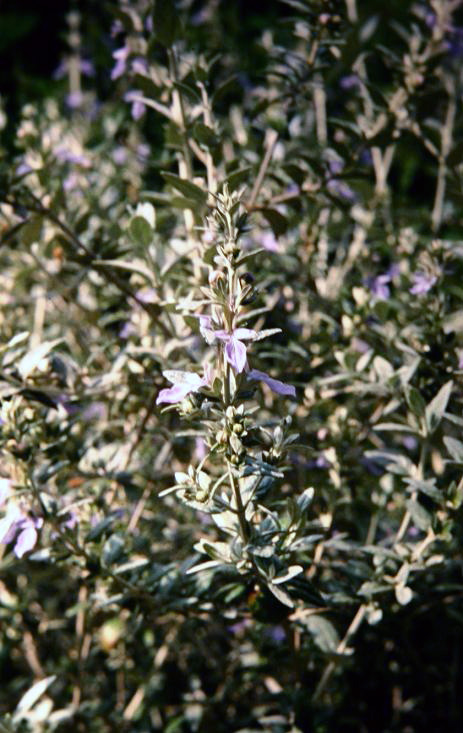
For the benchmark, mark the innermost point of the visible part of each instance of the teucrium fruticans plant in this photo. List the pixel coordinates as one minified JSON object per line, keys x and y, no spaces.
{"x":175,"y":261}
{"x":244,"y":456}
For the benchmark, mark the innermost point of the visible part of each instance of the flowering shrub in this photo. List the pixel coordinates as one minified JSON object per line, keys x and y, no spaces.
{"x":231,"y":368}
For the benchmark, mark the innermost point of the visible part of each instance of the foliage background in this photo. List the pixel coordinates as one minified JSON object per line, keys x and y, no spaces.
{"x":104,"y":605}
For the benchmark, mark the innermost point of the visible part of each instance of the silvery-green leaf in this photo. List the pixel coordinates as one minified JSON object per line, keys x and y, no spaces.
{"x":32,"y":695}
{"x":33,"y":358}
{"x":291,"y":572}
{"x":455,"y":448}
{"x":404,"y":594}
{"x":323,"y":632}
{"x":281,"y":595}
{"x":420,"y":516}
{"x":266,"y":333}
{"x":305,"y":499}
{"x":436,"y":408}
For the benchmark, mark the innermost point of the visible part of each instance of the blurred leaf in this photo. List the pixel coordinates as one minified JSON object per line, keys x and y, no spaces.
{"x":323,"y":632}
{"x":33,"y":358}
{"x":188,"y":189}
{"x":140,"y":231}
{"x":166,"y":22}
{"x":455,"y":448}
{"x":436,"y":408}
{"x":29,"y":698}
{"x":277,"y":221}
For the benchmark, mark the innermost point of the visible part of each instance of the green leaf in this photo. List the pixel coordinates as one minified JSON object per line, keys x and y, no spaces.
{"x":137,"y":268}
{"x":436,"y":408}
{"x":415,"y":401}
{"x":426,"y":487}
{"x":33,"y":358}
{"x":455,"y":448}
{"x":277,"y":221}
{"x":323,"y":632}
{"x":140,"y":231}
{"x":421,"y":518}
{"x":188,"y":189}
{"x":166,"y":22}
{"x":395,"y":426}
{"x":32,"y":695}
{"x":31,"y":230}
{"x":237,"y":178}
{"x":291,"y":572}
{"x":281,"y":595}
{"x":112,"y":549}
{"x":205,"y":135}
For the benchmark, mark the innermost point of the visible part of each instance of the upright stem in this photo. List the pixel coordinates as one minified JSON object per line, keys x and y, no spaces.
{"x":341,"y":648}
{"x":244,"y":527}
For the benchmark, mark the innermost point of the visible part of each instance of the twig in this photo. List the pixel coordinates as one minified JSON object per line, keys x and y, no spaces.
{"x":341,"y":648}
{"x":271,"y":141}
{"x":446,"y":144}
{"x":77,"y":244}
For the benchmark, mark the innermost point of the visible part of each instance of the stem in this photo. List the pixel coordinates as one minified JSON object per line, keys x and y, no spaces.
{"x":329,"y":669}
{"x":272,"y":137}
{"x":420,"y":475}
{"x":77,"y":245}
{"x":244,"y":527}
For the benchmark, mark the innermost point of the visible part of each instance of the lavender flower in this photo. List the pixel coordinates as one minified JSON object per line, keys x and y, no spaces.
{"x":379,"y":285}
{"x":184,"y":383}
{"x":74,"y":100}
{"x":422,"y":283}
{"x":235,"y":350}
{"x":121,"y":56}
{"x":268,"y":241}
{"x":138,"y":108}
{"x":16,"y":525}
{"x":274,"y":384}
{"x":85,"y":65}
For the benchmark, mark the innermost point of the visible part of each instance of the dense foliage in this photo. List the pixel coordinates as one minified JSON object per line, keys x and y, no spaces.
{"x":231,"y":372}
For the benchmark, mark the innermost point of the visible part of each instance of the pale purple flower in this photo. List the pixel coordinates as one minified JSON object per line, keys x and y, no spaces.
{"x":349,"y":82}
{"x":276,"y":633}
{"x":139,"y":66}
{"x":71,"y":182}
{"x":379,"y":285}
{"x":143,"y":151}
{"x":275,"y":385}
{"x":410,"y":442}
{"x":120,"y":155}
{"x":65,"y":155}
{"x":120,"y":66}
{"x":17,"y":525}
{"x":340,"y":188}
{"x":235,"y":349}
{"x":268,"y":241}
{"x":71,"y":519}
{"x":74,"y":100}
{"x":359,"y":345}
{"x":200,"y":448}
{"x":23,"y":169}
{"x":422,"y":283}
{"x":86,"y":68}
{"x":116,"y":28}
{"x":138,"y":108}
{"x":184,"y":383}
{"x":205,"y":328}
